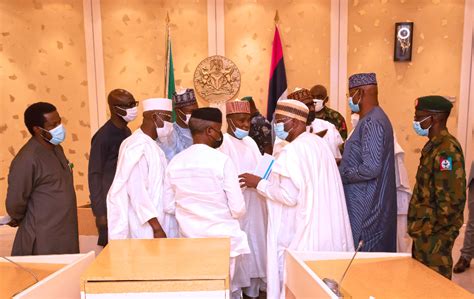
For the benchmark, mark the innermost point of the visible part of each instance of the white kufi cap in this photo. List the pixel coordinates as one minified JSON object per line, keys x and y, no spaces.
{"x":157,"y":104}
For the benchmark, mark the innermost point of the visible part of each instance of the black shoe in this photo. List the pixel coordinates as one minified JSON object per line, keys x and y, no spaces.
{"x":462,"y":265}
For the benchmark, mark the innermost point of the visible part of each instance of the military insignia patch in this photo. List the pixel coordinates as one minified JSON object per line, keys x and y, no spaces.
{"x":445,"y":163}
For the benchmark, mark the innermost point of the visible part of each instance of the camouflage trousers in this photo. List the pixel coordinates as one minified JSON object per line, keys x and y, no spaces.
{"x":435,"y":252}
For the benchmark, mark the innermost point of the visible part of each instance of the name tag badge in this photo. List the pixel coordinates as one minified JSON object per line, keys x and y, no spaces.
{"x":446,"y":164}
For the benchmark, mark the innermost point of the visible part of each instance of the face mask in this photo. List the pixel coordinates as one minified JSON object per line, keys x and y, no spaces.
{"x":131,"y":113}
{"x":280,"y":130}
{"x":354,"y":107}
{"x":419,"y":130}
{"x":318,"y":105}
{"x":164,"y":131}
{"x":188,"y":117}
{"x":58,"y":135}
{"x":218,"y":142}
{"x":238,"y":132}
{"x":354,"y":119}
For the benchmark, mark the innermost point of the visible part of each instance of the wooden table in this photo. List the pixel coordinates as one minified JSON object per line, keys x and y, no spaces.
{"x":15,"y":280}
{"x":375,"y":275}
{"x":59,"y":276}
{"x":162,"y":268}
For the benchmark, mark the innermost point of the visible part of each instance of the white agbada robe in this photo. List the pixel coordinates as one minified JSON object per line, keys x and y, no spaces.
{"x":202,"y":189}
{"x":332,"y":137}
{"x":135,"y":196}
{"x":306,"y":207}
{"x":403,"y":199}
{"x":278,"y":146}
{"x":245,"y":156}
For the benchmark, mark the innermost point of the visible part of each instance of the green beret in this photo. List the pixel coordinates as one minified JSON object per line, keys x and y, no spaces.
{"x":247,"y":98}
{"x":433,"y":104}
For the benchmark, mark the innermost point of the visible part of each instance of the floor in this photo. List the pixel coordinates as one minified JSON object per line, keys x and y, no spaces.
{"x":466,"y":279}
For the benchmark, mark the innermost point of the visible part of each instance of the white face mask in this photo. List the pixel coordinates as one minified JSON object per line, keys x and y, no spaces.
{"x":132,"y":113}
{"x":165,"y":131}
{"x":318,"y":104}
{"x":186,"y":117}
{"x":354,"y":119}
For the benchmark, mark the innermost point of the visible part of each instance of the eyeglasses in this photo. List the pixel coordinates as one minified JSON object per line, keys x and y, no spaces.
{"x":349,"y":95}
{"x":127,"y":106}
{"x":318,"y":98}
{"x":421,"y":118}
{"x":164,"y":117}
{"x":282,"y":120}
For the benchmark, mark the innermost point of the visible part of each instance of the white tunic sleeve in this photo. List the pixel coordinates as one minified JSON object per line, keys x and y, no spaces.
{"x":280,"y":189}
{"x":140,"y":200}
{"x":235,"y":199}
{"x":169,"y":202}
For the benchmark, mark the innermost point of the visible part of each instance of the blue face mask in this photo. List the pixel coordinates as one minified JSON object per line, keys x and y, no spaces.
{"x":354,"y":107}
{"x":239,"y":133}
{"x":419,"y":130}
{"x":280,"y":130}
{"x":58,"y":134}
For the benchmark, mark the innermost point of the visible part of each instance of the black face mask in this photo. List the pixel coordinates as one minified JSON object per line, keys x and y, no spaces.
{"x":217,"y":142}
{"x":311,"y":117}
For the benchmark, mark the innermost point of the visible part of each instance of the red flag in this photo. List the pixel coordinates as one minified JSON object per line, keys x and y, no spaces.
{"x":277,"y":87}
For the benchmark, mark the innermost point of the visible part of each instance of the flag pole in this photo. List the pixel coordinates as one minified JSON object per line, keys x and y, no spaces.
{"x":167,"y":37}
{"x":277,"y":18}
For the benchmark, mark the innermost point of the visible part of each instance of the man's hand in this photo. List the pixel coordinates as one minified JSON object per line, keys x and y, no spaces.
{"x":159,"y":234}
{"x":249,"y":180}
{"x":322,"y":133}
{"x":158,"y":231}
{"x":13,"y":223}
{"x":101,"y":222}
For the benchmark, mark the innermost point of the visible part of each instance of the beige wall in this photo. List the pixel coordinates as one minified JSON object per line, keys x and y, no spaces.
{"x":134,"y":44}
{"x":305,"y":33}
{"x":42,"y":58}
{"x":435,"y":65}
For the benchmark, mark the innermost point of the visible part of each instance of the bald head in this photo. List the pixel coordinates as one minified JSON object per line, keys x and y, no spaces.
{"x":120,"y":97}
{"x":319,"y":92}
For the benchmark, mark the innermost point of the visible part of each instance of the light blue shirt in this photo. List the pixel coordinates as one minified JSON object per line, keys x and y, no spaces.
{"x":179,"y":140}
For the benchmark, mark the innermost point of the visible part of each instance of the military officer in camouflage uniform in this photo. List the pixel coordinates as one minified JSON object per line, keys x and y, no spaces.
{"x":320,"y":96}
{"x":436,"y":208}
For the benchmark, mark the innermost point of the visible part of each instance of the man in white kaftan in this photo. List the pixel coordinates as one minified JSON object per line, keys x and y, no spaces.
{"x":134,"y":201}
{"x":306,"y":205}
{"x":244,"y":153}
{"x":321,"y":127}
{"x":331,"y":135}
{"x":202,"y":188}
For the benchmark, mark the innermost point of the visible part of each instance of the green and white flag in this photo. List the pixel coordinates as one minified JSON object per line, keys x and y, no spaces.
{"x":170,"y":87}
